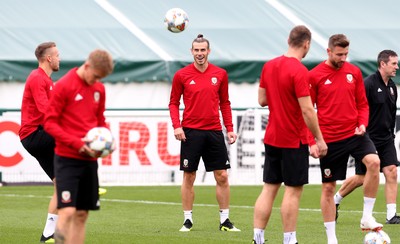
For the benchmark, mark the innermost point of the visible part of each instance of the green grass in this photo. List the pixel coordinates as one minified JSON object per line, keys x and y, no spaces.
{"x":153,"y":214}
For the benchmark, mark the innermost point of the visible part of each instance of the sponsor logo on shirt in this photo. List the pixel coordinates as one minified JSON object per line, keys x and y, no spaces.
{"x":328,"y":82}
{"x":349,"y":78}
{"x":214,"y":80}
{"x":192,"y":83}
{"x":78,"y":97}
{"x":379,"y":89}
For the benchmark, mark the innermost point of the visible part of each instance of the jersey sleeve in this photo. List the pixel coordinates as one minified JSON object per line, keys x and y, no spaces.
{"x":39,"y":93}
{"x":225,"y":104}
{"x":174,"y":102}
{"x":101,"y":119}
{"x":313,"y":93}
{"x":57,"y":104}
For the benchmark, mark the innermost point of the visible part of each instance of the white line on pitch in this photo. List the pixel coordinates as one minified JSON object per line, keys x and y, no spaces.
{"x":176,"y":203}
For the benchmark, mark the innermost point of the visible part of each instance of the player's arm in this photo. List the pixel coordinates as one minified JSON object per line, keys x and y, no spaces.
{"x":361,"y":102}
{"x":174,"y":102}
{"x":311,"y":120}
{"x":101,"y":119}
{"x":52,"y":126}
{"x":262,"y":97}
{"x":225,"y":104}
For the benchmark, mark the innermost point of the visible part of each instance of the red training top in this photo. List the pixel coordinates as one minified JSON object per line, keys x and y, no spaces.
{"x":204,"y":94}
{"x":340,"y":98}
{"x":285,"y":80}
{"x":75,"y":108}
{"x":37,"y":92}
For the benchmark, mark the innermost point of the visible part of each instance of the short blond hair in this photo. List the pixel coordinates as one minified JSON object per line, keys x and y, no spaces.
{"x":101,"y":60}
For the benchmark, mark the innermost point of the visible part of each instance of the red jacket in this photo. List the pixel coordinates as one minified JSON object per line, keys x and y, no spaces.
{"x":340,"y":98}
{"x":74,"y":109}
{"x":37,"y":92}
{"x":285,"y":80}
{"x":204,"y":94}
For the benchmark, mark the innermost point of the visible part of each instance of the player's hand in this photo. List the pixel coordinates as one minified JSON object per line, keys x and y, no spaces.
{"x":319,"y":150}
{"x":179,"y":134}
{"x":314,"y":151}
{"x":232,"y":137}
{"x":85,"y":150}
{"x":322,"y":148}
{"x":360,"y":131}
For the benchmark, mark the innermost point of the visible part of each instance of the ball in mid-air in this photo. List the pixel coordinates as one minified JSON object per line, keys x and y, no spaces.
{"x":176,"y":20}
{"x":100,"y":140}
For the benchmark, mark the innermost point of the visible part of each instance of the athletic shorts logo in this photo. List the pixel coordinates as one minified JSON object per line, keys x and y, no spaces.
{"x":65,"y":197}
{"x":185,"y":163}
{"x":327,"y":173}
{"x":214,"y":80}
{"x":349,"y":78}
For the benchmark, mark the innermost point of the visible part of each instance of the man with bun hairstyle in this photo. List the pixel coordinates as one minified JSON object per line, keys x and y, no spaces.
{"x":204,"y":88}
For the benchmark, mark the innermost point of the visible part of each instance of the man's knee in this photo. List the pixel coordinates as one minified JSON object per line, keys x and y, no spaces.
{"x":372,"y":162}
{"x":390,"y":173}
{"x":221,"y":176}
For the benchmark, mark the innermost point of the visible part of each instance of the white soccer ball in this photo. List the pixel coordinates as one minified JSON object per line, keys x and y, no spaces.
{"x":100,"y":140}
{"x":377,"y":237}
{"x":176,"y":20}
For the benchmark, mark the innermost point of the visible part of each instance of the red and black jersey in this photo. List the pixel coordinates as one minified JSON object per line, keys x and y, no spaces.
{"x":285,"y":80}
{"x":340,"y":98}
{"x":74,"y":108}
{"x":204,"y":94}
{"x":37,"y":92}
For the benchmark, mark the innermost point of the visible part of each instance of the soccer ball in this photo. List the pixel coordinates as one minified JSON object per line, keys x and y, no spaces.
{"x":176,"y":20}
{"x":377,"y":237}
{"x":100,"y":140}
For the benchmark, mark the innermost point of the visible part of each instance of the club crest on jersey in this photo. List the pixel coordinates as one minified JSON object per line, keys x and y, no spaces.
{"x":96,"y":96}
{"x":327,"y":173}
{"x":214,"y":80}
{"x":349,"y":78}
{"x":391,"y":91}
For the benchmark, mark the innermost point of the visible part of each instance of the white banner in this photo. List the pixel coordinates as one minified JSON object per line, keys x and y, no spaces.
{"x":147,"y":152}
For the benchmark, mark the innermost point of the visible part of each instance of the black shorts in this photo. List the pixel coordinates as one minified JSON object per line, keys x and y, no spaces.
{"x":287,"y":165}
{"x":334,"y":164}
{"x":387,"y":155}
{"x":77,"y":183}
{"x":209,"y":145}
{"x":41,"y":146}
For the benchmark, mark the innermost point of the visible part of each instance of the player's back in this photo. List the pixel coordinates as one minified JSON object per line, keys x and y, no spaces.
{"x":285,"y":80}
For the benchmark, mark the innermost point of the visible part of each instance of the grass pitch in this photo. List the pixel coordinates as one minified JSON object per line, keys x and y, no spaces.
{"x":153,"y":214}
